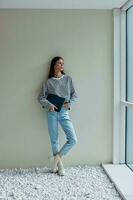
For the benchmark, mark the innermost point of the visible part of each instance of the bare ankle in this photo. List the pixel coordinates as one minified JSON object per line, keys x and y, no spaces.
{"x":60,"y":156}
{"x":57,"y":156}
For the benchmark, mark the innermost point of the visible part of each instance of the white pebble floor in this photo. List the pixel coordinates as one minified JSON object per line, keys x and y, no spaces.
{"x":80,"y":183}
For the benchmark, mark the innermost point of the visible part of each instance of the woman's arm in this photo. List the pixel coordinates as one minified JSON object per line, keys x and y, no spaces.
{"x":73,"y":94}
{"x":42,"y":97}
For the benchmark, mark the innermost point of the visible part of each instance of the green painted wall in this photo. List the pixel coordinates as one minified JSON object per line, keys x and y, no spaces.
{"x":29,"y":39}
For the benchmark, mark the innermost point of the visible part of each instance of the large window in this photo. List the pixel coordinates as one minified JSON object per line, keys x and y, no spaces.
{"x":129,"y":88}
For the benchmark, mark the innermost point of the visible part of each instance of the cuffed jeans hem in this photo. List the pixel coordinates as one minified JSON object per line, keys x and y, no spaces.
{"x":60,"y":154}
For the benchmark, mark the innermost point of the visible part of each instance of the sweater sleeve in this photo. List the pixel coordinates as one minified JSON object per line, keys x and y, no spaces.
{"x":42,"y":97}
{"x":73,"y":94}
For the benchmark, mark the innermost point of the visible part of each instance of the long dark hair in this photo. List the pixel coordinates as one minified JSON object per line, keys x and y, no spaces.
{"x":53,"y":61}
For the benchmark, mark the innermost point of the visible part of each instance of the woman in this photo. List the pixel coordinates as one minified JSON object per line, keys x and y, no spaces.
{"x":60,"y":84}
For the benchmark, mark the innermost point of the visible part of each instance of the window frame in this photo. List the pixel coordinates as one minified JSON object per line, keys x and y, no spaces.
{"x":120,"y":104}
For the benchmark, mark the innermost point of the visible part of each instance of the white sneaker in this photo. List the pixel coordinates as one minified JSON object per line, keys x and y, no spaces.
{"x":61,"y":170}
{"x":56,"y":160}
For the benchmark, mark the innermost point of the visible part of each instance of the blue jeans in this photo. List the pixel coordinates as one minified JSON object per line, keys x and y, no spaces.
{"x":63,"y":118}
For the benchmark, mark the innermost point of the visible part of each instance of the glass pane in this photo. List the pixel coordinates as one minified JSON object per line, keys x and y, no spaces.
{"x":129,"y":137}
{"x":129,"y":96}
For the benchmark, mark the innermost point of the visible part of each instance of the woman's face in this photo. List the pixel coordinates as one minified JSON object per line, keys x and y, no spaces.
{"x":59,"y":65}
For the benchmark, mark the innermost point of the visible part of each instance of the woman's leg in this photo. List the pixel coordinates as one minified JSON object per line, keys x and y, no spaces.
{"x":53,"y":131}
{"x":69,"y":130}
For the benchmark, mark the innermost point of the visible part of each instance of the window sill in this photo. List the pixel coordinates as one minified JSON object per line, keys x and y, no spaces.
{"x":122,"y":177}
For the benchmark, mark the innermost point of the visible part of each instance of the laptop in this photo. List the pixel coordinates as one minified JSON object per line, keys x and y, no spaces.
{"x":56,"y":100}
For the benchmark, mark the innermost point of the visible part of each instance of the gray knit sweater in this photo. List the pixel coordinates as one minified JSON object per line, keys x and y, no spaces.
{"x":63,"y":87}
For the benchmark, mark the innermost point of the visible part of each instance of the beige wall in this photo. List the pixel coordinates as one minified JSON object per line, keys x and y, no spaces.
{"x":28,"y":41}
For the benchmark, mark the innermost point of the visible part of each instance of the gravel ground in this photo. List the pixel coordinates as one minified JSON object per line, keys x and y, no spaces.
{"x":79,"y":183}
